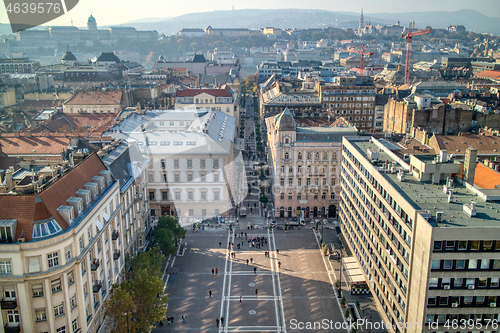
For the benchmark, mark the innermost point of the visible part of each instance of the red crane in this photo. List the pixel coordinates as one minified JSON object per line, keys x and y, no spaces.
{"x":408,"y":38}
{"x":362,"y":61}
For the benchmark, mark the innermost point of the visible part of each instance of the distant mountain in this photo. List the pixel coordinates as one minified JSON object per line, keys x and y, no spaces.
{"x":147,"y":20}
{"x":314,"y":18}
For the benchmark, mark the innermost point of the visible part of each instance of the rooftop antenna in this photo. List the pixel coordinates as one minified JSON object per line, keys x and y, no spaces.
{"x":233,"y":4}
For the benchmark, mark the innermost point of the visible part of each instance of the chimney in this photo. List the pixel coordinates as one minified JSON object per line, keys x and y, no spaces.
{"x":73,"y":141}
{"x":139,"y":110}
{"x":8,"y":178}
{"x":470,"y":165}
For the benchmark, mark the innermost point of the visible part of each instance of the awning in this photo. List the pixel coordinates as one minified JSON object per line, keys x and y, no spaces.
{"x":106,"y":217}
{"x":98,"y":224}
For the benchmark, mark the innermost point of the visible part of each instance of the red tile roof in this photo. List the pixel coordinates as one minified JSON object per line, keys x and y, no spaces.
{"x":485,"y":177}
{"x":69,"y":122}
{"x":28,"y":208}
{"x":194,"y":92}
{"x":495,"y":75}
{"x":66,"y":187}
{"x":34,"y":145}
{"x":95,"y":98}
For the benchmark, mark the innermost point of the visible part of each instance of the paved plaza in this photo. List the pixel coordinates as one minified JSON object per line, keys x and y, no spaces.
{"x":273,"y":298}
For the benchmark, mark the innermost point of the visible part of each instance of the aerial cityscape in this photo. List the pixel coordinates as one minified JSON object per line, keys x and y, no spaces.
{"x":265,"y":167}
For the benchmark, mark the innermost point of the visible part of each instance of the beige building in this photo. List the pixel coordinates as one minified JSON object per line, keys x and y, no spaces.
{"x":95,"y":101}
{"x":305,"y":167}
{"x":429,"y":248}
{"x":61,"y":249}
{"x":223,"y":100}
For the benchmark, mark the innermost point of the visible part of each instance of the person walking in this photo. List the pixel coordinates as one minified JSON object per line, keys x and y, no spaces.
{"x":251,"y":260}
{"x":247,"y":261}
{"x":222,"y":321}
{"x":220,"y":244}
{"x":256,"y":292}
{"x":255,"y":270}
{"x":217,"y":322}
{"x":216,"y":271}
{"x":213,"y":271}
{"x":277,"y":250}
{"x":183,"y":319}
{"x":279,"y":264}
{"x":241,"y":298}
{"x":172,"y":319}
{"x":210,"y":293}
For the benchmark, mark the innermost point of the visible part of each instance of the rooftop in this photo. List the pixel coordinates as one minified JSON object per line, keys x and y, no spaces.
{"x":96,"y":97}
{"x":429,"y":197}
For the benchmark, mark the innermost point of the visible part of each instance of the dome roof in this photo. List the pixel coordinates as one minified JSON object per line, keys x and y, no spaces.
{"x":68,"y":56}
{"x":108,"y":56}
{"x":285,"y":122}
{"x":91,"y":19}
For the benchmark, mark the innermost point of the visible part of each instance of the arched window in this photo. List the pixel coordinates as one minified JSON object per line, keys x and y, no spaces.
{"x":287,"y":156}
{"x":287,"y":140}
{"x":299,"y":156}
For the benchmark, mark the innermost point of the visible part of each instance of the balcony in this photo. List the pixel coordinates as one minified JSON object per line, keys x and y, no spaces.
{"x":9,"y":304}
{"x":115,"y":234}
{"x":94,"y":265}
{"x":97,"y":286}
{"x":12,"y":328}
{"x":116,"y":254}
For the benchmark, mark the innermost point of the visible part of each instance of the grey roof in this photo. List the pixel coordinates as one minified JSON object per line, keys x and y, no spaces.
{"x":108,"y":56}
{"x":199,"y":58}
{"x":216,"y":79}
{"x":323,"y":134}
{"x":130,"y":124}
{"x":126,"y":162}
{"x":68,"y":56}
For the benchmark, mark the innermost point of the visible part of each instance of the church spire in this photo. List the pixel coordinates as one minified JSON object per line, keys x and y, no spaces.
{"x":361,"y":25}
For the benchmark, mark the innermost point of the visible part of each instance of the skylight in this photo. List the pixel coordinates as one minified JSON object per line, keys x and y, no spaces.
{"x":46,"y":228}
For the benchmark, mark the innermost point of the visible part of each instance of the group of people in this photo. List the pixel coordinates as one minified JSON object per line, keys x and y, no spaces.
{"x":170,"y":320}
{"x":215,"y":271}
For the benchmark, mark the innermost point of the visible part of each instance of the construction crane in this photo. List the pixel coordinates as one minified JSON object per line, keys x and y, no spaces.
{"x":362,"y":61}
{"x":408,"y":38}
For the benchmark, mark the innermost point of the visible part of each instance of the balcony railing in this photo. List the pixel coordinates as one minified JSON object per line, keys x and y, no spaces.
{"x":9,"y":304}
{"x":12,"y":328}
{"x":94,"y":265}
{"x":116,"y":254}
{"x":97,"y":286}
{"x":115,"y":234}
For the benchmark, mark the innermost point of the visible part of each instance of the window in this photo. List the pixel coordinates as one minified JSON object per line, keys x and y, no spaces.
{"x":496,"y":263}
{"x":190,"y":195}
{"x":299,"y":181}
{"x":56,"y":285}
{"x":191,"y":212}
{"x":190,"y":177}
{"x":5,"y":267}
{"x":316,"y":156}
{"x":176,"y":163}
{"x":450,"y":245}
{"x":290,"y":169}
{"x":443,"y":301}
{"x":431,"y":301}
{"x":460,"y":264}
{"x":177,"y":178}
{"x":204,"y":196}
{"x":482,"y":282}
{"x":203,"y":177}
{"x":485,"y":264}
{"x":433,"y":282}
{"x":458,"y":282}
{"x":334,"y":156}
{"x":287,"y":156}
{"x":216,"y":178}
{"x":216,"y":196}
{"x":290,"y":181}
{"x":474,"y":245}
{"x":89,"y":233}
{"x":67,"y":253}
{"x":323,"y":196}
{"x":177,"y":196}
{"x":290,"y":196}
{"x":204,"y":212}
{"x":53,"y":259}
{"x":308,"y":181}
{"x":282,"y":196}
{"x":299,"y":169}
{"x":447,"y":264}
{"x":470,"y":282}
{"x":164,"y":195}
{"x":299,"y":196}
{"x":163,"y":163}
{"x":494,"y":282}
{"x":282,"y":169}
{"x":299,"y":156}
{"x":74,"y":325}
{"x":13,"y":316}
{"x":72,"y":301}
{"x":189,"y":163}
{"x":216,"y":164}
{"x":82,"y":267}
{"x":37,"y":290}
{"x":462,"y":245}
{"x":151,"y":177}
{"x":325,"y":156}
{"x":435,"y":264}
{"x":40,"y":315}
{"x":332,"y":196}
{"x":71,"y":279}
{"x":151,"y":195}
{"x":61,"y":329}
{"x":487,"y":245}
{"x":309,"y":156}
{"x":282,"y":181}
{"x":202,"y":163}
{"x":315,"y":196}
{"x":472,"y":264}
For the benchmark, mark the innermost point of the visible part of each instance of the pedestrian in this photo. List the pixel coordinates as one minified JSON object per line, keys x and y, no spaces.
{"x":210,"y":293}
{"x":183,"y":319}
{"x":172,"y":319}
{"x":216,"y":271}
{"x":234,"y":255}
{"x":279,"y":264}
{"x":168,"y":320}
{"x":217,"y":322}
{"x":251,"y":260}
{"x":255,"y":270}
{"x":241,"y":298}
{"x":249,"y":246}
{"x":222,"y":321}
{"x":277,"y":250}
{"x":213,"y":271}
{"x":247,"y":261}
{"x":256,"y":292}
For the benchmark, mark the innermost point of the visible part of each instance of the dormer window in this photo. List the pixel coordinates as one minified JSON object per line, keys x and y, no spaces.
{"x":46,"y":228}
{"x":7,"y":230}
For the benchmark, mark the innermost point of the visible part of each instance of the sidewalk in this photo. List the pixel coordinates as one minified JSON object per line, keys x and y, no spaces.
{"x":366,"y":306}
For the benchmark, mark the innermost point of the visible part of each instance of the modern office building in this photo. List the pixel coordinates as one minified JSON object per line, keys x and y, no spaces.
{"x":305,"y":166}
{"x":61,"y":249}
{"x":427,"y":244}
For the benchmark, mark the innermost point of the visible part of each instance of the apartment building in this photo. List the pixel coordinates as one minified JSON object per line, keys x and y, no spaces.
{"x":61,"y":251}
{"x":305,"y":166}
{"x":350,"y":97}
{"x":428,"y":246}
{"x":129,"y":167}
{"x":212,"y":99}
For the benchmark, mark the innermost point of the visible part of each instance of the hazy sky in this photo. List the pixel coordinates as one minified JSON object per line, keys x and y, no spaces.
{"x":109,"y":12}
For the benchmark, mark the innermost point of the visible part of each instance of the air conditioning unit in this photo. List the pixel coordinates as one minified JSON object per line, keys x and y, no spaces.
{"x":454,"y":305}
{"x":493,"y":305}
{"x":470,"y":287}
{"x":446,"y":286}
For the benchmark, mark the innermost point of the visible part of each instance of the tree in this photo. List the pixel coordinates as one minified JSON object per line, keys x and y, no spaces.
{"x":167,"y":234}
{"x":120,"y":303}
{"x":264,"y":199}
